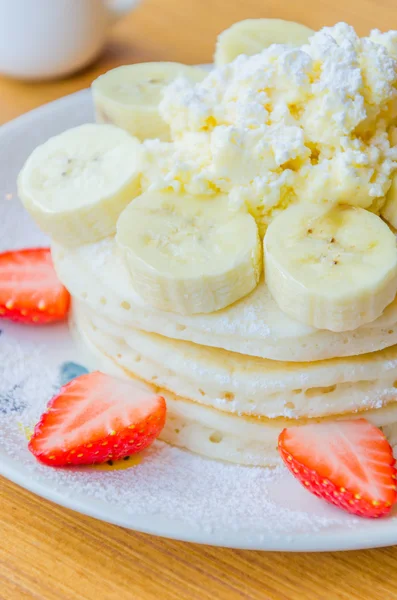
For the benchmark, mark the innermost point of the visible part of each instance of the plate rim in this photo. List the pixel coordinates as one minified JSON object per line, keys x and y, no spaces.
{"x":9,"y":125}
{"x":321,"y":541}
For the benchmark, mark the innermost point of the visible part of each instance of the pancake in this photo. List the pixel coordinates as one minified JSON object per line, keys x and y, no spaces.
{"x":253,"y":326}
{"x":242,"y":384}
{"x":214,"y":433}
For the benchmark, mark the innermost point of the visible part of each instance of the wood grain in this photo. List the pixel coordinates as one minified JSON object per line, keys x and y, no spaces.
{"x":49,"y":553}
{"x":54,"y":554}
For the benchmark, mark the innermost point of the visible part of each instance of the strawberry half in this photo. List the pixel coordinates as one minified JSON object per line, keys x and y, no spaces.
{"x":96,"y":418}
{"x":30,"y":291}
{"x":347,"y":463}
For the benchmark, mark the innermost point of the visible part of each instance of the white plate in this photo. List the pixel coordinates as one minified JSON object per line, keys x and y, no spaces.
{"x":170,"y":492}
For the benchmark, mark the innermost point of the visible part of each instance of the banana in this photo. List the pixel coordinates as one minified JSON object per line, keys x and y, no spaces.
{"x":129,"y":96}
{"x":253,"y":35}
{"x":77,"y":183}
{"x":189,"y":254}
{"x":389,"y":209}
{"x":332,"y":269}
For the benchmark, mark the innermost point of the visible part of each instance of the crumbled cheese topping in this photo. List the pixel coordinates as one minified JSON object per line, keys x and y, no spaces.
{"x":289,"y":124}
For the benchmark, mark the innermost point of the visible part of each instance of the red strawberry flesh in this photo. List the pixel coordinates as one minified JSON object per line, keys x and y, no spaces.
{"x":347,"y":463}
{"x":96,"y":418}
{"x":30,"y":291}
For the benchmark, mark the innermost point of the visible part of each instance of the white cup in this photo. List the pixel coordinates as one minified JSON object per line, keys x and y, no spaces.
{"x":40,"y":39}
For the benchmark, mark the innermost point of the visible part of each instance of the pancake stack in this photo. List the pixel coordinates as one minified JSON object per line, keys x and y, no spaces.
{"x":242,"y":261}
{"x":222,"y":403}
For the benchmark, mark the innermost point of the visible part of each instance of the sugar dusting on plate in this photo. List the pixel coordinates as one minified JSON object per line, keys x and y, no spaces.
{"x":169,"y":483}
{"x":199,"y":493}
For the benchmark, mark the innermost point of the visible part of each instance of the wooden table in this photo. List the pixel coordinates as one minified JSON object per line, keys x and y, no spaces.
{"x":49,"y":553}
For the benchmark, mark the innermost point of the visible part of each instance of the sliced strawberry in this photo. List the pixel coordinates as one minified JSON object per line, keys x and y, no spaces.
{"x":30,"y":291}
{"x":347,"y":463}
{"x":96,"y":418}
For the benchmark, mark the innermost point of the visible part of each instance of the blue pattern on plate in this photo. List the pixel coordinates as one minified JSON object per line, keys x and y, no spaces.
{"x":10,"y":403}
{"x":70,"y":370}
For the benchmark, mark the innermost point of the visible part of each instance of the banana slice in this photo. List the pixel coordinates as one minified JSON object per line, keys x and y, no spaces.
{"x":334,"y":269}
{"x":129,"y":96}
{"x":76,"y":184}
{"x":253,"y":35}
{"x":189,"y":254}
{"x":389,"y":210}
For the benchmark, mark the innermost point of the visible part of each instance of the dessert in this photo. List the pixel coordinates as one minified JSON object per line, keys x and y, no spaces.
{"x":244,"y":266}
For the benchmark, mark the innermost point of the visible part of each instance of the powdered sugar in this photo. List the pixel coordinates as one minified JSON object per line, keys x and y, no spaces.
{"x":171,"y":484}
{"x":19,"y":367}
{"x":103,"y":252}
